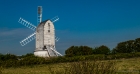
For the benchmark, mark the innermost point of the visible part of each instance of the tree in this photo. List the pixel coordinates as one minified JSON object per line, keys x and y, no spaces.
{"x":130,"y":45}
{"x":85,"y":50}
{"x":137,"y":45}
{"x":120,"y":48}
{"x":126,"y":47}
{"x":113,"y":51}
{"x":78,"y":50}
{"x":70,"y":51}
{"x":102,"y":50}
{"x":8,"y":57}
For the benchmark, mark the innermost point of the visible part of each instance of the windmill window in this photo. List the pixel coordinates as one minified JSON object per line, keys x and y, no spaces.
{"x":48,"y":30}
{"x":48,"y":25}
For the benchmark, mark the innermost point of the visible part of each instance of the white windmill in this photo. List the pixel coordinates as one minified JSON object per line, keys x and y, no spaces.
{"x":44,"y":34}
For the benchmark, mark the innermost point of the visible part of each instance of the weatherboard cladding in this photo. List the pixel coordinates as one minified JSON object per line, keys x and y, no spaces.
{"x":45,"y":37}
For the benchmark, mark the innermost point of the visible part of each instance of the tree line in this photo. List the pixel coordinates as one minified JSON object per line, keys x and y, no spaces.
{"x":85,"y":50}
{"x":130,"y":46}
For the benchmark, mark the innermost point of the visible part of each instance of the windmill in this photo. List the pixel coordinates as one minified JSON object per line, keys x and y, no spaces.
{"x":44,"y":34}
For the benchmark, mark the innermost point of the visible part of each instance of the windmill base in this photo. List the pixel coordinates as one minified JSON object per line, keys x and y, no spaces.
{"x":42,"y":53}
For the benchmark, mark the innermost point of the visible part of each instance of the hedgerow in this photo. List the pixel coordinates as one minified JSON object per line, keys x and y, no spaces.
{"x":31,"y":60}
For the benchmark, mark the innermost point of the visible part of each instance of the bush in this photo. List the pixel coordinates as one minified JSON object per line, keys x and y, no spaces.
{"x":32,"y":60}
{"x":77,"y":51}
{"x":8,"y":57}
{"x":101,"y":50}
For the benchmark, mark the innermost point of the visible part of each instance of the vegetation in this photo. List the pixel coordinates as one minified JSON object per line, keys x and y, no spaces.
{"x":77,"y":51}
{"x":31,"y":60}
{"x":119,"y":66}
{"x":75,"y":59}
{"x":85,"y":50}
{"x":87,"y":67}
{"x":130,"y":46}
{"x":101,"y":50}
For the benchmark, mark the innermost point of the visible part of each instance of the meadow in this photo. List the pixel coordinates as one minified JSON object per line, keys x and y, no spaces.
{"x":118,"y":66}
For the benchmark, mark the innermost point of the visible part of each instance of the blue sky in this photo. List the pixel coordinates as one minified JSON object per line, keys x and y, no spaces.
{"x":82,"y":22}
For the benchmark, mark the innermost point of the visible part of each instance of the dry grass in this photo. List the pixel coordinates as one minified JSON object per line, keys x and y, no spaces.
{"x":39,"y":69}
{"x":129,"y":66}
{"x":123,"y":66}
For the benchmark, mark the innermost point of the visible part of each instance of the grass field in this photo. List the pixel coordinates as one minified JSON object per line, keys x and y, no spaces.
{"x":122,"y":66}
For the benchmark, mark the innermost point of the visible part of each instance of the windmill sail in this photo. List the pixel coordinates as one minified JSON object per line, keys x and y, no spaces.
{"x":28,"y":39}
{"x":55,"y":19}
{"x":32,"y":37}
{"x":56,"y":39}
{"x":27,"y":24}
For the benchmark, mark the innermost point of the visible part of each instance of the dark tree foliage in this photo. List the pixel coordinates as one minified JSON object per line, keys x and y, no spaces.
{"x":121,"y":48}
{"x":102,"y":50}
{"x":137,"y":45}
{"x":78,"y":50}
{"x":27,"y":55}
{"x":113,"y":51}
{"x":130,"y":46}
{"x":71,"y":51}
{"x":85,"y":50}
{"x":8,"y":57}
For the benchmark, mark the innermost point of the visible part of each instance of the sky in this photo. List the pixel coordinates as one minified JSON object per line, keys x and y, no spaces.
{"x":82,"y":22}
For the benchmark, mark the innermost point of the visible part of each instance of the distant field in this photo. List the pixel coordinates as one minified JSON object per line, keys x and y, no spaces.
{"x":123,"y":66}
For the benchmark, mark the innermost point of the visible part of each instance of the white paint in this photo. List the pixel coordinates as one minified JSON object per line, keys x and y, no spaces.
{"x":41,"y":53}
{"x":45,"y":40}
{"x":49,"y":37}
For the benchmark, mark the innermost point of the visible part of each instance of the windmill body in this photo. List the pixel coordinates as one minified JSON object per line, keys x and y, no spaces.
{"x":45,"y":39}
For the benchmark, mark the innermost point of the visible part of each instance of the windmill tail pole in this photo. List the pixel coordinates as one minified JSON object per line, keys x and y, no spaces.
{"x":56,"y":52}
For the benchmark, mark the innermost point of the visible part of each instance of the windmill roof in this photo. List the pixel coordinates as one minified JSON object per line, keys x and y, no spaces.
{"x":43,"y":23}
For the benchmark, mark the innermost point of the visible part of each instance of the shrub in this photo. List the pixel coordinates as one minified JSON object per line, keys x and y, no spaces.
{"x":101,"y":50}
{"x":8,"y":57}
{"x":32,"y":60}
{"x":77,"y":51}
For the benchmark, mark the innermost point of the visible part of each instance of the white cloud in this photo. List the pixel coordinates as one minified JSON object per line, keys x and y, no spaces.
{"x":15,"y":32}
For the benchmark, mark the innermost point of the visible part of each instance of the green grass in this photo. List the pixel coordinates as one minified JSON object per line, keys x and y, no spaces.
{"x":121,"y":66}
